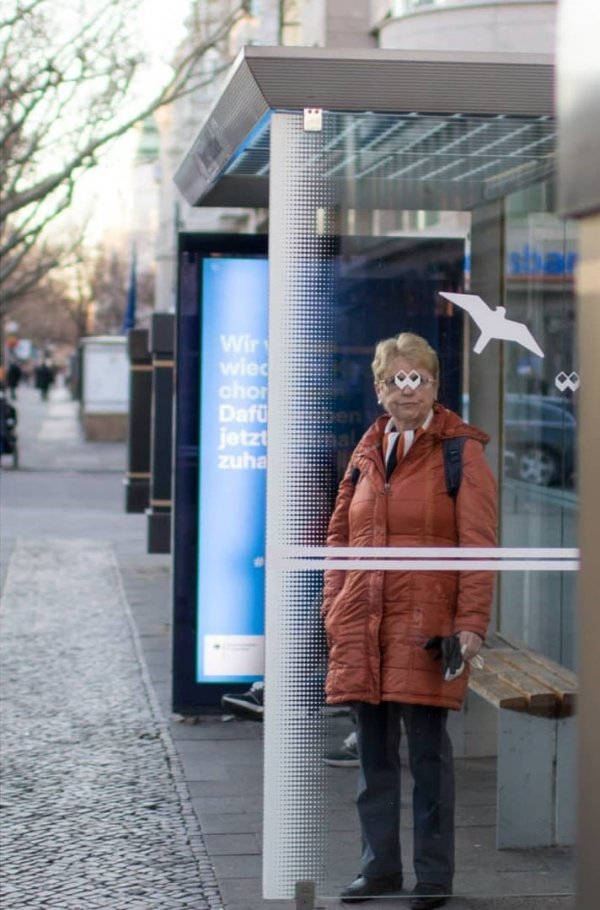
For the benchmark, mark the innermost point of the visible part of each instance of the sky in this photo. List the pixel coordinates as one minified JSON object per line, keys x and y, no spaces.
{"x":161,"y":25}
{"x":103,"y":195}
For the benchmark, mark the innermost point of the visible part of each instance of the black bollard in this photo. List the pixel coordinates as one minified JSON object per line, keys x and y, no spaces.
{"x":137,"y":481}
{"x":161,"y":345}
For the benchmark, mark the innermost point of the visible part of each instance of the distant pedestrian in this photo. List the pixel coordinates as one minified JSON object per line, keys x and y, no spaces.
{"x":8,"y":424}
{"x":44,"y":377}
{"x":13,"y":378}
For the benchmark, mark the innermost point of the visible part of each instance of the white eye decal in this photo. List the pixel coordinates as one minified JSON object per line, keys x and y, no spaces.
{"x":411,"y":380}
{"x":572,"y":381}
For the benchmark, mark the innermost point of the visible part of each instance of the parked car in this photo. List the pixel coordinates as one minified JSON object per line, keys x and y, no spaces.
{"x":540,"y":439}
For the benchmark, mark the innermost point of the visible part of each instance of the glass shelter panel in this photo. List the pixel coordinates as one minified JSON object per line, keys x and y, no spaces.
{"x":433,"y":226}
{"x":539,"y":497}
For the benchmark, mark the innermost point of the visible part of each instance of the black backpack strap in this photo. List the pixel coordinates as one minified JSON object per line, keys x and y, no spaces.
{"x":453,"y":450}
{"x":354,"y":475}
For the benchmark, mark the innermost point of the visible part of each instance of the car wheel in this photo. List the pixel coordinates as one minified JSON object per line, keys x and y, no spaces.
{"x":538,"y":465}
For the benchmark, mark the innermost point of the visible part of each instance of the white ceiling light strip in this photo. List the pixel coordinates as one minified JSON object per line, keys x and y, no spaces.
{"x":505,"y":136}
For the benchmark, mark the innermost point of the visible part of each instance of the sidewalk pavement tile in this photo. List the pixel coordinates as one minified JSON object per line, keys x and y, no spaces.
{"x":227,"y":844}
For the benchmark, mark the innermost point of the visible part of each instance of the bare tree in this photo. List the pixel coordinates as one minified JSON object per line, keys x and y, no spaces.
{"x":67,"y":81}
{"x":103,"y":282}
{"x":88,"y":298}
{"x":46,"y":315}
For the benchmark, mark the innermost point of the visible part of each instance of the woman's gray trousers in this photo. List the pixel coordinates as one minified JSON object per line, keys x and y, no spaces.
{"x":378,"y":732}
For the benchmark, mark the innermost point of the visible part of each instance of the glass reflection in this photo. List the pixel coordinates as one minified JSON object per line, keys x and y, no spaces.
{"x":496,"y":850}
{"x":539,"y":503}
{"x":397,"y":284}
{"x":423,"y":205}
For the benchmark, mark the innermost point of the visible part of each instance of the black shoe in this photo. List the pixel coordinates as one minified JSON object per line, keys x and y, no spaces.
{"x":363,"y":888}
{"x":427,"y":896}
{"x":246,"y":704}
{"x":344,"y":757}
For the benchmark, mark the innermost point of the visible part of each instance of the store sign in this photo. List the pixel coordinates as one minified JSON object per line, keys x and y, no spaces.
{"x":232,"y":476}
{"x":530,"y":261}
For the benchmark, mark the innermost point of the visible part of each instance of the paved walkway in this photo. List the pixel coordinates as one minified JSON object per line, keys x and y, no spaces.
{"x":109,"y":801}
{"x":94,"y":811}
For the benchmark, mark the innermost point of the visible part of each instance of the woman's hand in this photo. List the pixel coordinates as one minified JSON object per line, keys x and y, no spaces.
{"x":471,"y":642}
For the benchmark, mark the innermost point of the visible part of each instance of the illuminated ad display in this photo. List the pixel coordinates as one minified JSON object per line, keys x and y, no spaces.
{"x":232,"y":470}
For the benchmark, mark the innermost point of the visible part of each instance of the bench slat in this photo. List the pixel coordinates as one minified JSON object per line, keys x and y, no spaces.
{"x":564,"y":689}
{"x":562,"y":673}
{"x":497,"y":691}
{"x":502,"y":642}
{"x":522,"y":680}
{"x":540,"y":698}
{"x":538,"y":701}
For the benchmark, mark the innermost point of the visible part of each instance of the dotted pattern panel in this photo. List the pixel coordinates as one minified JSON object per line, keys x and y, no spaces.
{"x":298,"y":484}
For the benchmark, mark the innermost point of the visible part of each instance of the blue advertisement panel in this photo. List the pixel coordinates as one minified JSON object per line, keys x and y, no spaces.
{"x":220,"y":430}
{"x":232,"y":470}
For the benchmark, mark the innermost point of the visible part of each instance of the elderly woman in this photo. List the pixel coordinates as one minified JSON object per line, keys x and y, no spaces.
{"x":399,"y":640}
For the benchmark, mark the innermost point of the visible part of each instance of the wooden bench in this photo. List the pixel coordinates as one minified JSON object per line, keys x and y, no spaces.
{"x":536,"y":743}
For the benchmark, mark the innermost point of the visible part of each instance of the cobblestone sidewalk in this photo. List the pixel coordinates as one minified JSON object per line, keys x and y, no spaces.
{"x":95,"y":813}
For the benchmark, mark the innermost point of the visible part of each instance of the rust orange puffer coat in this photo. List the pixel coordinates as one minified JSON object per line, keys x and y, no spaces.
{"x":378,"y":621}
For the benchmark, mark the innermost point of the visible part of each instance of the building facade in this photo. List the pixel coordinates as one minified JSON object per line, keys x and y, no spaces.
{"x":514,"y":26}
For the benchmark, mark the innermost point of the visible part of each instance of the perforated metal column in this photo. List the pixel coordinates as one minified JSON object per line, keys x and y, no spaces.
{"x":300,"y":378}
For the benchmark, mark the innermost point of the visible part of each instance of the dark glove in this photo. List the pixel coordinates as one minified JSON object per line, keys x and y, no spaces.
{"x":449,"y":652}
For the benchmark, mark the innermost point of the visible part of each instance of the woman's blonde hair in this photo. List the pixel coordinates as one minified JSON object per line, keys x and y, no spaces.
{"x":417,"y":351}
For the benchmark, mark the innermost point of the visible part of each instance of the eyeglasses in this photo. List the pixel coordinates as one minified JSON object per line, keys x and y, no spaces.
{"x":410,"y":380}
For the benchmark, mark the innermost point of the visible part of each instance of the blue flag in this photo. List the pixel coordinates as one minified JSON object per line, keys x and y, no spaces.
{"x":129,"y":317}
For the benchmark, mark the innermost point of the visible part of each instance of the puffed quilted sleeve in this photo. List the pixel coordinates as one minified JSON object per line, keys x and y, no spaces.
{"x":338,"y":536}
{"x":476,"y":521}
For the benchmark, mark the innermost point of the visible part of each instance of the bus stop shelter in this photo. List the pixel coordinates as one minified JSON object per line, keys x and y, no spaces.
{"x":387,"y":177}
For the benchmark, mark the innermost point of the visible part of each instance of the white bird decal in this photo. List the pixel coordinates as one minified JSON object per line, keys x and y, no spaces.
{"x":493,"y":323}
